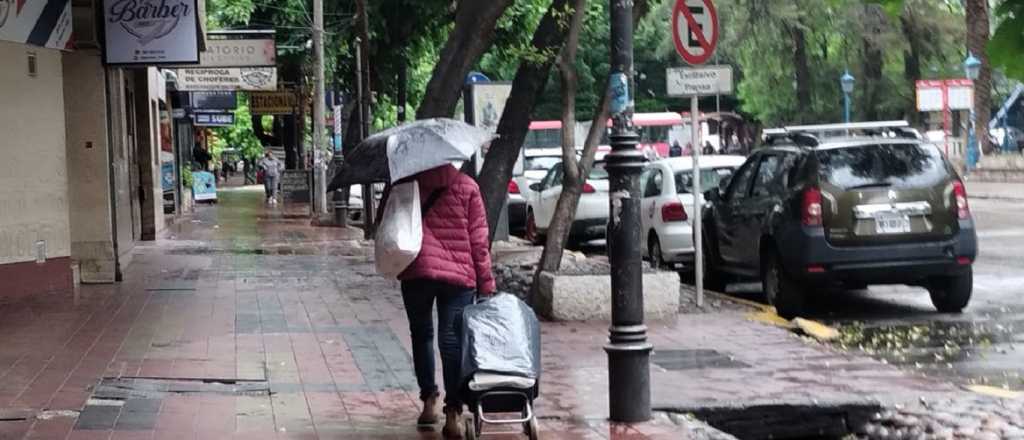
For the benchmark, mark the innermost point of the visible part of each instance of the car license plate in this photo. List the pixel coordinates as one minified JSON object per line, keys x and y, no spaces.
{"x":892,"y":224}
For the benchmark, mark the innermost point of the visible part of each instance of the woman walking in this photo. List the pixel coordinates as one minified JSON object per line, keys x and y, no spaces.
{"x":271,"y":174}
{"x":454,"y":263}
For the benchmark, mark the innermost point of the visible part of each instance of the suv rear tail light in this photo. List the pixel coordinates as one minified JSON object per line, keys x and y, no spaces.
{"x":513,"y":187}
{"x":963,"y":210}
{"x":673,"y":212}
{"x":810,"y":210}
{"x":588,"y":188}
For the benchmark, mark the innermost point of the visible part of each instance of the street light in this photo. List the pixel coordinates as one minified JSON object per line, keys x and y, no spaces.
{"x":629,"y":373}
{"x":972,"y":67}
{"x":846,"y":82}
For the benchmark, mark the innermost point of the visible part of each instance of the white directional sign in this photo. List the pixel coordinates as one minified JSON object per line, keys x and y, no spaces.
{"x":699,"y":81}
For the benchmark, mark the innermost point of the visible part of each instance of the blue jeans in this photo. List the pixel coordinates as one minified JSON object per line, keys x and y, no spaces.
{"x":419,"y":296}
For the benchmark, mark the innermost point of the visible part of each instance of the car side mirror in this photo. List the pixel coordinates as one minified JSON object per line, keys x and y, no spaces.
{"x":713,"y":195}
{"x":535,"y":186}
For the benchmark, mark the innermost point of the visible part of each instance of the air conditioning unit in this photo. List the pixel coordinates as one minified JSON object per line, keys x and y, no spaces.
{"x":85,"y":22}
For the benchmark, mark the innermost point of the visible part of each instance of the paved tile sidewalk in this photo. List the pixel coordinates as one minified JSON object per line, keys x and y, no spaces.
{"x":248,"y":323}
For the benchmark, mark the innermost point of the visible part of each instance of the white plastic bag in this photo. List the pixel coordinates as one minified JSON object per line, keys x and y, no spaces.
{"x":400,"y":233}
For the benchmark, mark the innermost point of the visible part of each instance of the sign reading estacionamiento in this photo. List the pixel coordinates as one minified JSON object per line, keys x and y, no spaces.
{"x":151,"y":32}
{"x":273,"y":103}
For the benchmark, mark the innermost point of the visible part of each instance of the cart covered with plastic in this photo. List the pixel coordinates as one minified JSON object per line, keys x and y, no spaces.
{"x":501,"y":363}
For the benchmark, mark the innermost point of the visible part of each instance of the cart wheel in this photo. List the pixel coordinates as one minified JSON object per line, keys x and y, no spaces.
{"x":471,"y":432}
{"x":532,"y":430}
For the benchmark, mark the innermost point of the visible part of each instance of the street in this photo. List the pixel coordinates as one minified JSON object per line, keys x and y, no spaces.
{"x":899,"y":323}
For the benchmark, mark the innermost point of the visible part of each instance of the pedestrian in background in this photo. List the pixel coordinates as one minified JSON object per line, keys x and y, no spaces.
{"x":453,"y":265}
{"x":271,"y":168}
{"x":675,"y":150}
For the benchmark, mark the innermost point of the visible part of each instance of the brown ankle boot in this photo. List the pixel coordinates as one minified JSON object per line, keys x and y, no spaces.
{"x":453,"y":428}
{"x":429,"y":414}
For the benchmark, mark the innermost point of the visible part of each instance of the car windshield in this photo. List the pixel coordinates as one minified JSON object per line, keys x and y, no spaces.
{"x":598,"y":172}
{"x":891,"y":165}
{"x":541,"y":163}
{"x":709,"y":178}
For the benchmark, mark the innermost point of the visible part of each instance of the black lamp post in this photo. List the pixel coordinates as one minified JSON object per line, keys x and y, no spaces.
{"x":629,"y":375}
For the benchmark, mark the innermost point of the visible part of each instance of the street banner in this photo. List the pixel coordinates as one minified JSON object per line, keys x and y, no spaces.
{"x":239,"y":49}
{"x":487,"y":103}
{"x":151,"y":32}
{"x":43,"y":23}
{"x":227,"y":78}
{"x":283,"y":102}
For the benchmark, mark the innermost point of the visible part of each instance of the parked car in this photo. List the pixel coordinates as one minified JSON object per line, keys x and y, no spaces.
{"x":667,"y":189}
{"x":850,"y":212}
{"x":536,"y":164}
{"x":591,"y":220}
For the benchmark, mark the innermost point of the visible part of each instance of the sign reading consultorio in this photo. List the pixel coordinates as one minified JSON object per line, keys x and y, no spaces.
{"x":151,"y":32}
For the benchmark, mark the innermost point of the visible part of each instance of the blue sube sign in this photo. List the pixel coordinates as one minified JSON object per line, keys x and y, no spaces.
{"x":215,"y":119}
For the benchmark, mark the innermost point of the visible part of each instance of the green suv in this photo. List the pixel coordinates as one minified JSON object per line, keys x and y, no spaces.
{"x":804,"y":213}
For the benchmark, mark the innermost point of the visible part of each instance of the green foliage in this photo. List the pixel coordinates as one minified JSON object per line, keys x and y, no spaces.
{"x":186,"y":177}
{"x":239,"y":136}
{"x":1006,"y":48}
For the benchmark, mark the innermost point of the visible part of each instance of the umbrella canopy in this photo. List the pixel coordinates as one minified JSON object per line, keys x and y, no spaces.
{"x":403,"y":151}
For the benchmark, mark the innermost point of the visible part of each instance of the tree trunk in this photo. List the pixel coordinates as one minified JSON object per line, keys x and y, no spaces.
{"x":527,"y":87}
{"x":911,"y":61}
{"x":802,"y":71}
{"x":977,"y":39}
{"x":572,"y":179}
{"x":472,"y":35}
{"x":874,"y":19}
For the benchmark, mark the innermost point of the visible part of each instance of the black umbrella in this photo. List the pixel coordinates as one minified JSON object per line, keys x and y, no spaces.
{"x":403,"y":151}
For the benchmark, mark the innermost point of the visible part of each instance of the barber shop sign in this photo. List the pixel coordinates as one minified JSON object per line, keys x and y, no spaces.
{"x":151,"y":32}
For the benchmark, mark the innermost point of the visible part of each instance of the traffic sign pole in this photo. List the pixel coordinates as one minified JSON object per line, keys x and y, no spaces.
{"x":697,"y":21}
{"x":698,"y":250}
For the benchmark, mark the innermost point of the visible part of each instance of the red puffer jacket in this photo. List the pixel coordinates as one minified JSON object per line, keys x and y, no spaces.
{"x":455,"y":235}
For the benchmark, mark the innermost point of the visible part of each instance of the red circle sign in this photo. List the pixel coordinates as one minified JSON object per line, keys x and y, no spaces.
{"x":695,"y":30}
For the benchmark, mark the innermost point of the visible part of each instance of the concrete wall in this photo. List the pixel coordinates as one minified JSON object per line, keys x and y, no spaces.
{"x":122,"y":164}
{"x":33,"y":169}
{"x":88,"y":152}
{"x":149,"y":93}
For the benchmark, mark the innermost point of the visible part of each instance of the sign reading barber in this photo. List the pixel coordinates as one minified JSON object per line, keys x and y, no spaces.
{"x":151,"y":32}
{"x":695,"y":30}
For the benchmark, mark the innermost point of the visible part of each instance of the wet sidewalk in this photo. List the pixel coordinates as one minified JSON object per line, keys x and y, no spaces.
{"x":245,"y":322}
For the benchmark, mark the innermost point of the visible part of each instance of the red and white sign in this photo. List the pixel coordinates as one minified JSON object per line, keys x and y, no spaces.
{"x":936,"y":95}
{"x":695,"y":30}
{"x":945,"y":96}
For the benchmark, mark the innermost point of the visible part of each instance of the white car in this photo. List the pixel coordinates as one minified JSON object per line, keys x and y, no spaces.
{"x":591,"y":220}
{"x":536,"y":165}
{"x":668,"y":204}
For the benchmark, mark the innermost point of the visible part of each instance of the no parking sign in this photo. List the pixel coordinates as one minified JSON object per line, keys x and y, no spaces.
{"x":695,"y":30}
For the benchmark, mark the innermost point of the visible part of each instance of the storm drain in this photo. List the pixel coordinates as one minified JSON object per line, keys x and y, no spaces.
{"x":786,"y":421}
{"x":679,"y":360}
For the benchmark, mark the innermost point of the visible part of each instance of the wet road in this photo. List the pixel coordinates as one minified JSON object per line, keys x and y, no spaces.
{"x":984,"y":345}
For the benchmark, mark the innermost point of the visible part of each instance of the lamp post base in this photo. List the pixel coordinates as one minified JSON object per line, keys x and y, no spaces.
{"x":629,"y":381}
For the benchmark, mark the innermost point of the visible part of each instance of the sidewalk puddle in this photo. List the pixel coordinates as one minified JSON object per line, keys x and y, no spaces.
{"x":679,"y":360}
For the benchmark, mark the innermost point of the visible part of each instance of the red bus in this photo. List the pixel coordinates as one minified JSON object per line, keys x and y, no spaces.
{"x":655,"y":130}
